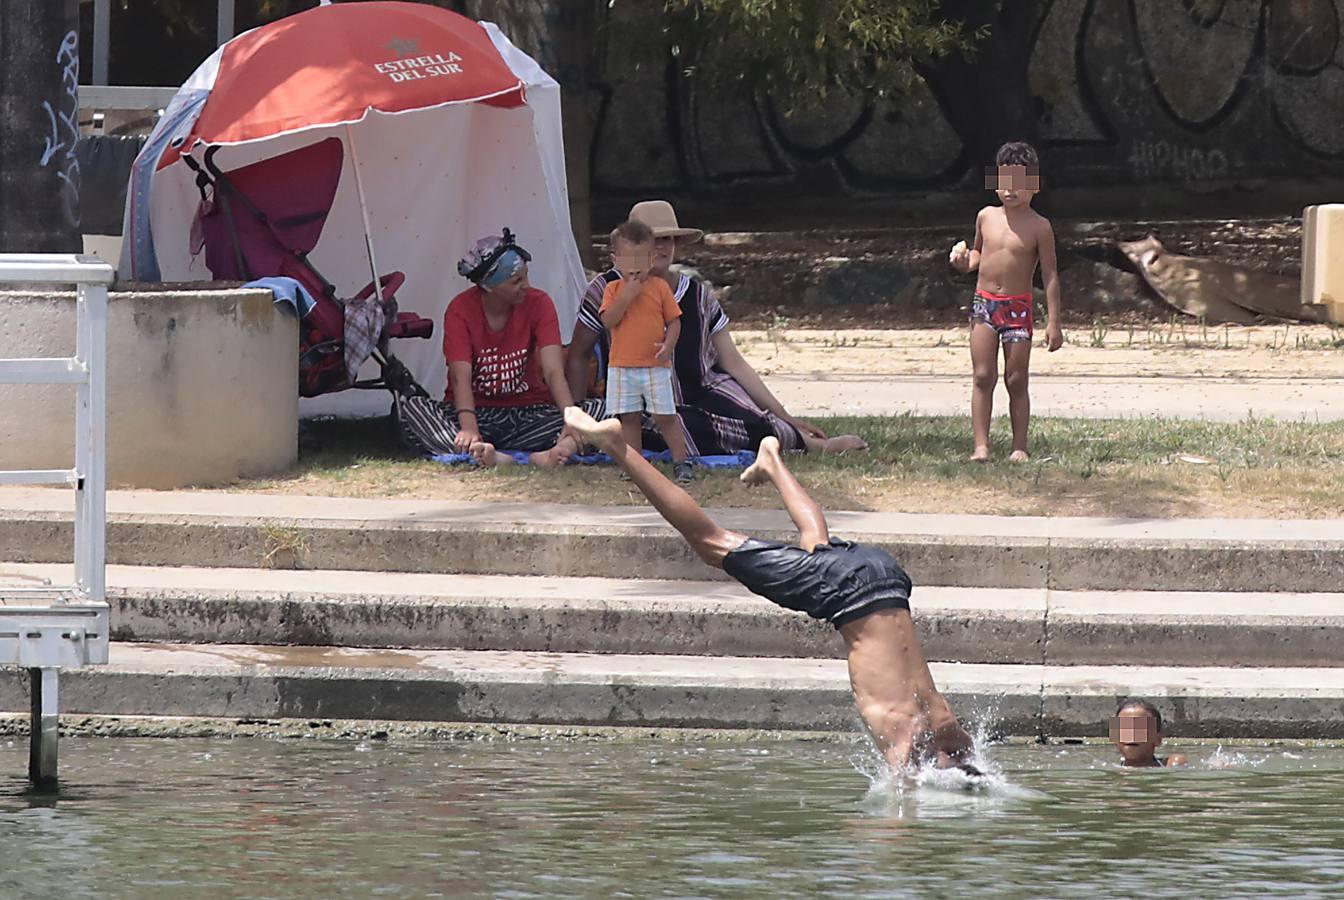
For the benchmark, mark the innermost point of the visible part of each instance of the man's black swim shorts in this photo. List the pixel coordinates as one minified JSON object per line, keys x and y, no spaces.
{"x":838,"y":582}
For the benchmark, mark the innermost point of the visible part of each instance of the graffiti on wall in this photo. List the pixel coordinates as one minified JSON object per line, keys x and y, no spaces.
{"x":1178,"y":90}
{"x":60,"y":144}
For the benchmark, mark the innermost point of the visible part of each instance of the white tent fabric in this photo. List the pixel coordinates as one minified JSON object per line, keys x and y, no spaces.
{"x":435,"y":179}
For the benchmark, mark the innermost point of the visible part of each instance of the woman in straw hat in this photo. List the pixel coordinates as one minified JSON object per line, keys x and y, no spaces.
{"x":723,"y":403}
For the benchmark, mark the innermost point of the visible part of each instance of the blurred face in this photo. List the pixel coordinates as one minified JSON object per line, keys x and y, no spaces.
{"x":1134,"y":733}
{"x":664,"y":254}
{"x":510,"y":291}
{"x":1014,"y":185}
{"x":633,"y":259}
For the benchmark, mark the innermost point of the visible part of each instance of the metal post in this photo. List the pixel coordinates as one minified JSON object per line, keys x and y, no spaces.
{"x":102,"y":39}
{"x":45,"y":732}
{"x":39,"y":93}
{"x":91,"y":441}
{"x":224,"y":22}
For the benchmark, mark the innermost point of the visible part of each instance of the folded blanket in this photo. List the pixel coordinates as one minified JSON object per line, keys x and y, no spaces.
{"x":739,"y":460}
{"x":290,"y":296}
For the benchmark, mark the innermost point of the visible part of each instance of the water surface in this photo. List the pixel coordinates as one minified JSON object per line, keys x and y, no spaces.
{"x":266,"y":818}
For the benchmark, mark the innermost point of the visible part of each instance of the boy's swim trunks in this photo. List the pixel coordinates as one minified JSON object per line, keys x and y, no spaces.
{"x":1008,"y":314}
{"x":838,"y":582}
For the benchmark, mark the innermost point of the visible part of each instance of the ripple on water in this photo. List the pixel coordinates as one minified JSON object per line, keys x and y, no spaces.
{"x":275,"y":818}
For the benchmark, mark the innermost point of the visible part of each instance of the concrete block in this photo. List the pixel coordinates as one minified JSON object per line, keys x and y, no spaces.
{"x":1323,"y":258}
{"x":202,"y":386}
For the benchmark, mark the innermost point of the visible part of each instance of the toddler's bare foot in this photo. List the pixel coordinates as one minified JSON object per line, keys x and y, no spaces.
{"x":1018,"y":456}
{"x":605,"y":435}
{"x":484,"y":454}
{"x":842,"y":443}
{"x":767,"y":459}
{"x":980,"y":455}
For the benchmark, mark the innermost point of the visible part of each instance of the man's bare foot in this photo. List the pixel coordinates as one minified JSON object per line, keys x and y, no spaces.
{"x":485,"y":455}
{"x":980,"y":455}
{"x":1018,"y":456}
{"x":843,"y":443}
{"x":767,"y":458}
{"x":605,"y":435}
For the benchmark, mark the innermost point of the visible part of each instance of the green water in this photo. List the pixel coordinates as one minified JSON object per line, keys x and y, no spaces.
{"x":259,"y":818}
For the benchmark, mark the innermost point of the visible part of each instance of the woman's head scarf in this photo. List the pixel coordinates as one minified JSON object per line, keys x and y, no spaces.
{"x":478,"y":267}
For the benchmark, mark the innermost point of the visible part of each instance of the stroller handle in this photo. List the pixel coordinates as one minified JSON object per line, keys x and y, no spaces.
{"x":390,"y":283}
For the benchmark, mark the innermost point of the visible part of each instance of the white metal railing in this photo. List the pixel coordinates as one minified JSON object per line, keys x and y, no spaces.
{"x":71,"y":630}
{"x":125,"y":97}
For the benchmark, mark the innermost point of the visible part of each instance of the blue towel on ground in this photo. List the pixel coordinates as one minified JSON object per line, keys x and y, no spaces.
{"x":290,"y":296}
{"x":739,"y":460}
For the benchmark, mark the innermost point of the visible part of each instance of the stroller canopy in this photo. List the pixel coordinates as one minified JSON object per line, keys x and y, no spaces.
{"x":291,"y":193}
{"x":474,"y":144}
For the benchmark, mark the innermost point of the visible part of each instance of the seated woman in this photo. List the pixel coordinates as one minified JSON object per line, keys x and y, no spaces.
{"x":724,"y":405}
{"x":506,"y":373}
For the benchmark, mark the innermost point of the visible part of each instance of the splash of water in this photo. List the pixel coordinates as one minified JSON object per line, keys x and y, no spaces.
{"x":1230,"y":759}
{"x":931,"y":791}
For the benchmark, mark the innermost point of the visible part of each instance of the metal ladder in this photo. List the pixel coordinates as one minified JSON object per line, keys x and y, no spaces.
{"x":48,"y":628}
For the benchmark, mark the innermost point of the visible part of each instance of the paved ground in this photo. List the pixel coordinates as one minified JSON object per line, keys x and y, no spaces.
{"x":1291,"y":374}
{"x":1214,"y":399}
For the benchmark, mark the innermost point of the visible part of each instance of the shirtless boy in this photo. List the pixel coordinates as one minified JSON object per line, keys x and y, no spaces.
{"x":1136,"y":731}
{"x":860,"y":590}
{"x":1010,"y":240}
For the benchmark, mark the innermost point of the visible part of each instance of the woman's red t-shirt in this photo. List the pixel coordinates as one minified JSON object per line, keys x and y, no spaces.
{"x":505,"y":366}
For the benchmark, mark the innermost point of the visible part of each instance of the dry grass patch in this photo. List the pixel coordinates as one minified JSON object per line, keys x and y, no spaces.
{"x":1132,"y":468}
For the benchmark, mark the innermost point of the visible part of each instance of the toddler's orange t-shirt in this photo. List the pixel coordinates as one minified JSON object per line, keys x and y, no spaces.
{"x":642,"y":326}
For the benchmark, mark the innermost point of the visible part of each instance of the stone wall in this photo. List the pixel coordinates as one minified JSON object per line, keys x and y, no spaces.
{"x":1209,"y":94}
{"x":1226,"y":97}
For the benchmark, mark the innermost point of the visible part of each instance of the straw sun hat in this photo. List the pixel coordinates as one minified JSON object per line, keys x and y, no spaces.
{"x":662,"y":218}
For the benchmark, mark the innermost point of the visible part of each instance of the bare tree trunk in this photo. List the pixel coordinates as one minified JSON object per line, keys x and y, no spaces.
{"x":563,"y":36}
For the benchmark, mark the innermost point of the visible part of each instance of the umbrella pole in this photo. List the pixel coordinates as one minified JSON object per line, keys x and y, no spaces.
{"x":364,"y":211}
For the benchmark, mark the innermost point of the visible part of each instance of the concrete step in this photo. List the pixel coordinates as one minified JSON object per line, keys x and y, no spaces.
{"x":610,"y":615}
{"x":1072,"y":554}
{"x":668,"y":691}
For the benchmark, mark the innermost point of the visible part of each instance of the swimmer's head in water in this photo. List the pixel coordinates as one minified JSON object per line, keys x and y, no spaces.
{"x":1136,"y":730}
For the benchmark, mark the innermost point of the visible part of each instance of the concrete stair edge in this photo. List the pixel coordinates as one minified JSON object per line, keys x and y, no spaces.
{"x":668,"y":691}
{"x":1097,"y":562}
{"x":371,"y":609}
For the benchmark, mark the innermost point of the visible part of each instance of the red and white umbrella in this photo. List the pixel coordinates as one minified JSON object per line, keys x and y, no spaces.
{"x":451,"y":133}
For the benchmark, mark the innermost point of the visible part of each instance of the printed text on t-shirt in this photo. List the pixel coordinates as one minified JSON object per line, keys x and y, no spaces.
{"x":500,"y":374}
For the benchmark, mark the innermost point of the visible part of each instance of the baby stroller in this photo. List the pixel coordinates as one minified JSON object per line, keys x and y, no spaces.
{"x":262,"y":220}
